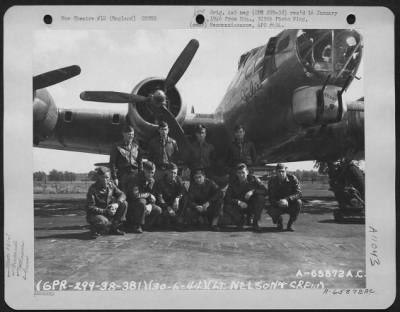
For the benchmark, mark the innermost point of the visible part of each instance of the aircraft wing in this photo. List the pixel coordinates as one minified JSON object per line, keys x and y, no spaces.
{"x":89,"y":131}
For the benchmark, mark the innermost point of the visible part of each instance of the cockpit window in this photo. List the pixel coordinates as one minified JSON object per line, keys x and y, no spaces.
{"x":283,"y":44}
{"x":331,"y":52}
{"x":271,"y":46}
{"x":243,"y":59}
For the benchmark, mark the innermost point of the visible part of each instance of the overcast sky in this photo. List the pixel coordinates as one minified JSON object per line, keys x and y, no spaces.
{"x":117,"y":61}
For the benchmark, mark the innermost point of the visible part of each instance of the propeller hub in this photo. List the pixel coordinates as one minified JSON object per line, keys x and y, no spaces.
{"x":159,"y":98}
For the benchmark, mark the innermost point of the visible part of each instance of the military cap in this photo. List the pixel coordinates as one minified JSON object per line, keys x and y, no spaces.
{"x":101,"y":171}
{"x":127,"y":128}
{"x":162,"y":124}
{"x":198,"y":170}
{"x":280,"y":166}
{"x":172,"y":166}
{"x":238,"y":127}
{"x":199,"y":128}
{"x":148,"y":165}
{"x":241,"y":166}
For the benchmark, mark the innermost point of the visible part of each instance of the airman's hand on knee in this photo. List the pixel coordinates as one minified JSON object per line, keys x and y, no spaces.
{"x":199,"y":208}
{"x":112,"y":209}
{"x":175,"y":204}
{"x":242,"y":204}
{"x":283,"y":203}
{"x":152,"y":198}
{"x":171,"y":212}
{"x":248,"y":194}
{"x":148,"y":209}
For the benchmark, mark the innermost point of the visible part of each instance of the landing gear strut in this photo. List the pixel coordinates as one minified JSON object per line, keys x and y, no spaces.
{"x":347,"y":181}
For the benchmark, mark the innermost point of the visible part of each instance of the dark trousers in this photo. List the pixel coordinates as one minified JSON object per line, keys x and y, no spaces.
{"x":293,"y":211}
{"x":124,"y":177}
{"x":214,"y":210}
{"x":166,"y":218}
{"x":104,"y":223}
{"x":255,"y":205}
{"x":136,"y":213}
{"x":160,"y":172}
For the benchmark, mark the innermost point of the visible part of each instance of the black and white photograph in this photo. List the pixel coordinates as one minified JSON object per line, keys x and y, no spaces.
{"x":228,"y":157}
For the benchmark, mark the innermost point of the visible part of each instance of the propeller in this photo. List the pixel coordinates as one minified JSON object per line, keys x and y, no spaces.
{"x":55,"y":76}
{"x":158,"y":99}
{"x":181,"y":64}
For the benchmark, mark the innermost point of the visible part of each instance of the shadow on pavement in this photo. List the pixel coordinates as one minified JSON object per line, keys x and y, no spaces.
{"x":349,"y":221}
{"x":80,"y":236}
{"x":71,"y":227}
{"x":315,"y":210}
{"x":59,"y":213}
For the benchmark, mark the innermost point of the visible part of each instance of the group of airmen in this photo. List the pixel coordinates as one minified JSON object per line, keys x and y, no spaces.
{"x":134,"y":194}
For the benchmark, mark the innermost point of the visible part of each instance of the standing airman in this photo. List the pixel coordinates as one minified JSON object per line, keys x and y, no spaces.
{"x":125,"y":158}
{"x":162,"y":149}
{"x":241,"y":150}
{"x":201,"y":153}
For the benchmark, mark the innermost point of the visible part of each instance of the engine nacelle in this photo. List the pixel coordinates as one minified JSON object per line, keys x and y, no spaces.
{"x":143,"y":118}
{"x":314,"y":106}
{"x":45,"y":115}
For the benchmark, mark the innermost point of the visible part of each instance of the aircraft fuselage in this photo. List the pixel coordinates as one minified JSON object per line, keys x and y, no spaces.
{"x":264,"y":94}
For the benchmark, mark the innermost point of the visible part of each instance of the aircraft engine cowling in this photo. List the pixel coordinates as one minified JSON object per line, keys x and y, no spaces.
{"x":45,"y":115}
{"x":316,"y":105}
{"x":143,"y":118}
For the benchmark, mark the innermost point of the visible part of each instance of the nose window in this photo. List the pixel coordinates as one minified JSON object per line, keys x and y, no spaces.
{"x":329,"y":52}
{"x":348,"y":53}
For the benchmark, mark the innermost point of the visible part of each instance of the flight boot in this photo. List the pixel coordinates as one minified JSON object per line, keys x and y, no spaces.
{"x":256,"y":226}
{"x":94,"y":233}
{"x":137,"y":229}
{"x":279,"y":224}
{"x":290,"y":226}
{"x":214,"y":224}
{"x":115,"y":229}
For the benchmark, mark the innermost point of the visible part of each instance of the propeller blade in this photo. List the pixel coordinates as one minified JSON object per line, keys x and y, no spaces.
{"x":111,"y":97}
{"x":181,"y":64}
{"x":55,"y":76}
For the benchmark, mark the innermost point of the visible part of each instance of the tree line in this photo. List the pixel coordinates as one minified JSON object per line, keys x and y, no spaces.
{"x":55,"y":175}
{"x":308,"y":175}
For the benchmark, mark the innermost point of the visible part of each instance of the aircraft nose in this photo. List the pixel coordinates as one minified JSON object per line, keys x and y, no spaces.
{"x":316,"y":105}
